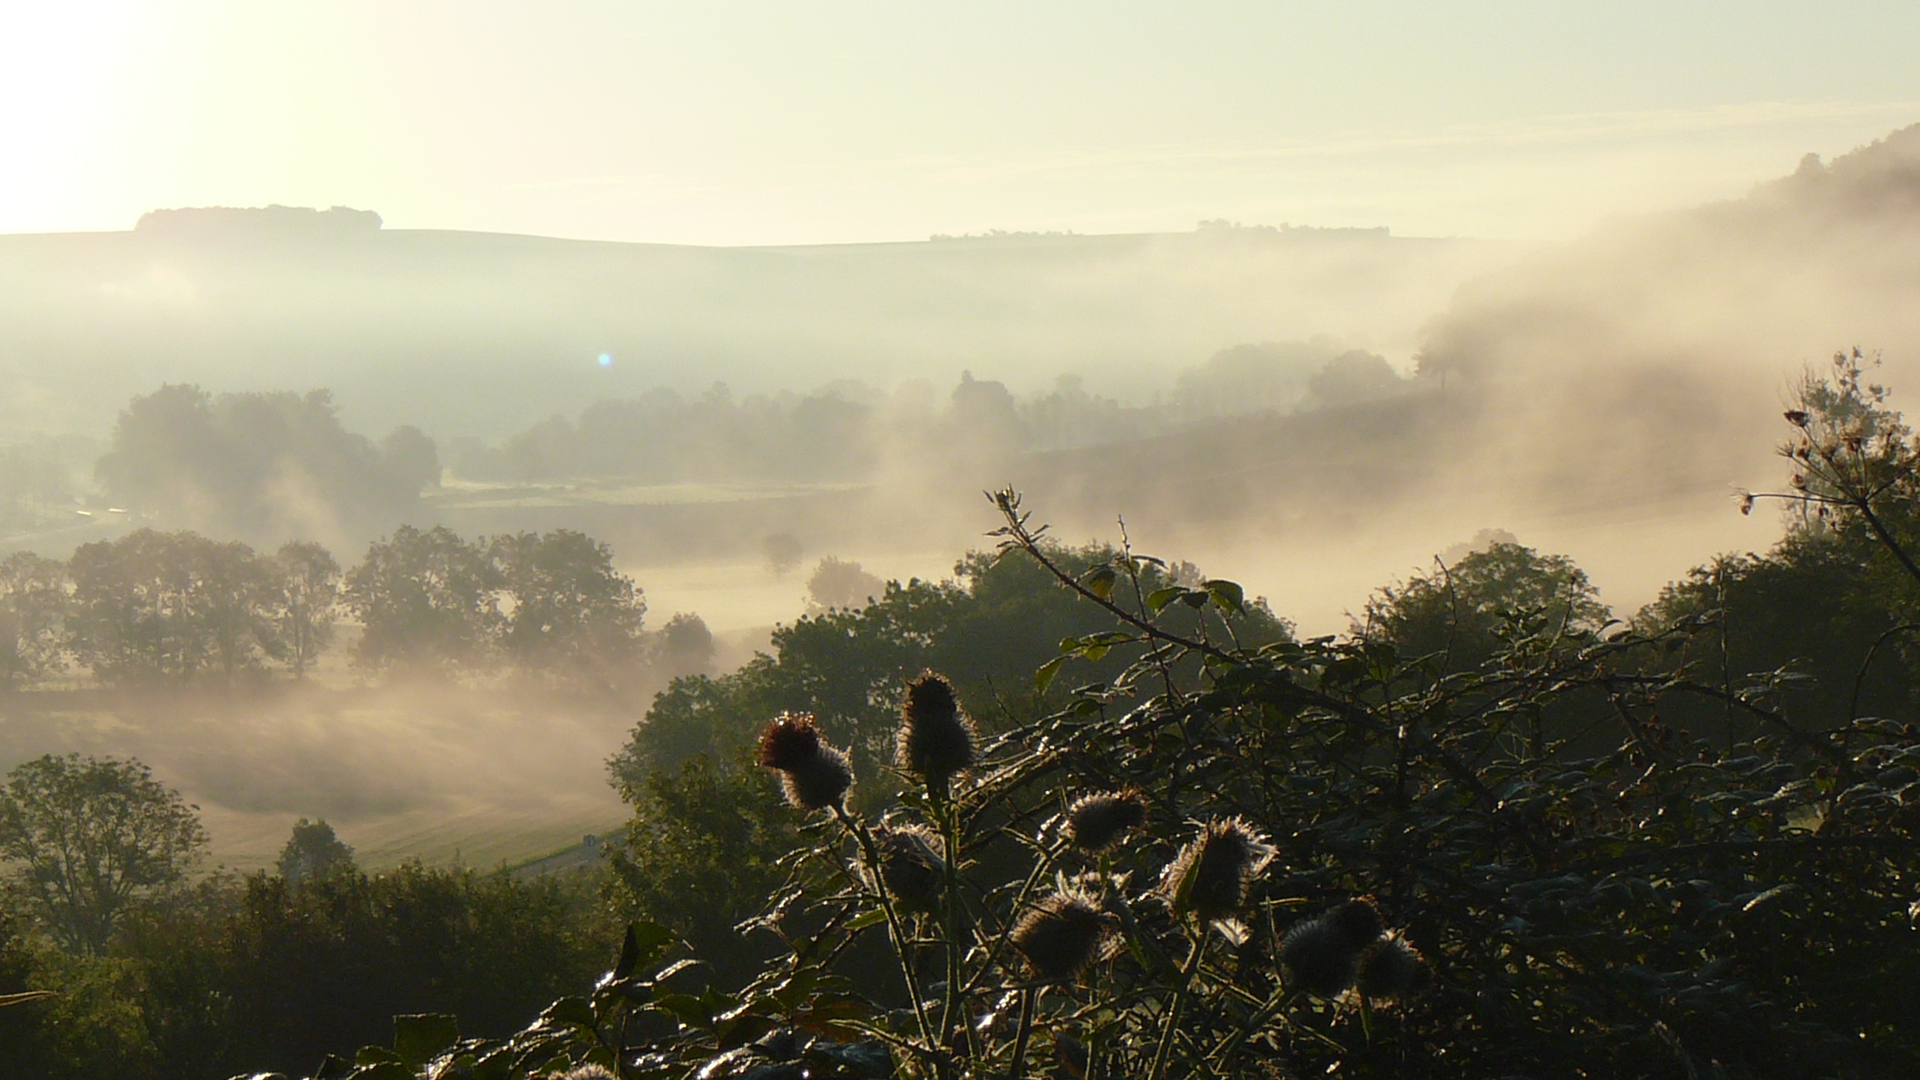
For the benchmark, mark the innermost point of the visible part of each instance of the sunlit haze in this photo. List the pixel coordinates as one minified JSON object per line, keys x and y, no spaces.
{"x":774,"y":123}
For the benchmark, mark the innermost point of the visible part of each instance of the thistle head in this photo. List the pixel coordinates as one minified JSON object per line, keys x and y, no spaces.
{"x":936,"y":738}
{"x":1392,"y":970}
{"x":1097,"y":822}
{"x":1359,"y":920}
{"x":789,"y":740}
{"x":1062,"y":934}
{"x":1209,"y":877}
{"x":1319,"y":958}
{"x":912,"y":865}
{"x":813,"y":775}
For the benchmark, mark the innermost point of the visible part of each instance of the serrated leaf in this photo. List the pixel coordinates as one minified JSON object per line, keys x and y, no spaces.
{"x":1100,"y":581}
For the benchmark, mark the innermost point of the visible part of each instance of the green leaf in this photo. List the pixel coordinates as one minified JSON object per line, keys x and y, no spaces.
{"x":686,"y":1008}
{"x":1158,"y":599}
{"x":645,"y":943}
{"x":417,"y":1037}
{"x":569,"y":1012}
{"x":1227,"y":595}
{"x":1043,"y":678}
{"x":1100,"y":581}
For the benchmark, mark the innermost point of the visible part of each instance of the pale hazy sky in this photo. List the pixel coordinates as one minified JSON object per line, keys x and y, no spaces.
{"x":786,"y":122}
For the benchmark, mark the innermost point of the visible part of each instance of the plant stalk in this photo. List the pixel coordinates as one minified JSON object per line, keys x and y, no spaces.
{"x":896,"y":931}
{"x":1165,"y":1051}
{"x":1018,"y":1069}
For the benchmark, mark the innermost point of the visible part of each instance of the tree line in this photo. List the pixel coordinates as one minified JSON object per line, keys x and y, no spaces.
{"x":177,"y":607}
{"x":849,"y":431}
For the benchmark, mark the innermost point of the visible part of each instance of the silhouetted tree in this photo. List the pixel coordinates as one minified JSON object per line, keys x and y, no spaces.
{"x":1353,"y":378}
{"x":1459,"y":613}
{"x":569,"y":610}
{"x":88,"y":836}
{"x":33,"y":609}
{"x":411,"y":459}
{"x":841,"y":584}
{"x":170,"y":605}
{"x":425,"y":599}
{"x":260,"y":463}
{"x":782,"y":551}
{"x":308,"y":584}
{"x":313,"y":851}
{"x":684,"y":646}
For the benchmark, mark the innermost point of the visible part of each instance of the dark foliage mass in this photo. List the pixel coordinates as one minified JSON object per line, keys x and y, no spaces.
{"x":267,"y":973}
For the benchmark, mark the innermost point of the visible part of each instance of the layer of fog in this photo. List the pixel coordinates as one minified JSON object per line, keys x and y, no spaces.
{"x":1601,"y":399}
{"x":469,"y":334}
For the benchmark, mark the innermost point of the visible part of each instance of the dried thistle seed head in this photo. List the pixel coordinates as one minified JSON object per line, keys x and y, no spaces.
{"x":1097,"y":822}
{"x":1209,"y":877}
{"x":1360,"y":920}
{"x":1392,"y":970}
{"x":1061,"y":935}
{"x":936,"y":737}
{"x":912,"y":865}
{"x":820,"y":781}
{"x":788,"y":740}
{"x":1319,"y":958}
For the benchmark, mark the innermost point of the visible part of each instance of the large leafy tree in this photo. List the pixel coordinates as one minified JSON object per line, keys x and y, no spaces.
{"x":1461,"y":614}
{"x":153,"y":605}
{"x":569,"y":612}
{"x":260,"y":464}
{"x":87,"y":837}
{"x":426,"y":599}
{"x":313,"y":851}
{"x":308,"y":591}
{"x":33,"y":610}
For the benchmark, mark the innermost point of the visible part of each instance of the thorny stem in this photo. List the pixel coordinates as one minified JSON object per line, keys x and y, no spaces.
{"x":1165,"y":1051}
{"x":895,"y":931}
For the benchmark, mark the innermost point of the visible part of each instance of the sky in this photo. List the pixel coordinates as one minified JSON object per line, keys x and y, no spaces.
{"x":829,"y":122}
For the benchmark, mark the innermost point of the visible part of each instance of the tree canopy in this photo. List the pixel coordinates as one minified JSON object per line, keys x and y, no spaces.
{"x":87,"y":836}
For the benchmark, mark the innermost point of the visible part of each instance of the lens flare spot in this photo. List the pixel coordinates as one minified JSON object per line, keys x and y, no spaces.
{"x":606,"y":359}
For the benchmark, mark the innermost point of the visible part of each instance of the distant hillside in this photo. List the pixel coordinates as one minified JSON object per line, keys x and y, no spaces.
{"x":482,"y":334}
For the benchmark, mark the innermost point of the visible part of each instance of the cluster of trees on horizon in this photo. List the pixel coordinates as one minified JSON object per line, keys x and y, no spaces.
{"x":259,"y":465}
{"x":178,"y":608}
{"x":849,"y":431}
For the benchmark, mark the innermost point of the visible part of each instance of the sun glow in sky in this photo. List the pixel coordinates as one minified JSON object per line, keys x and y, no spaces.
{"x":770,"y":122}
